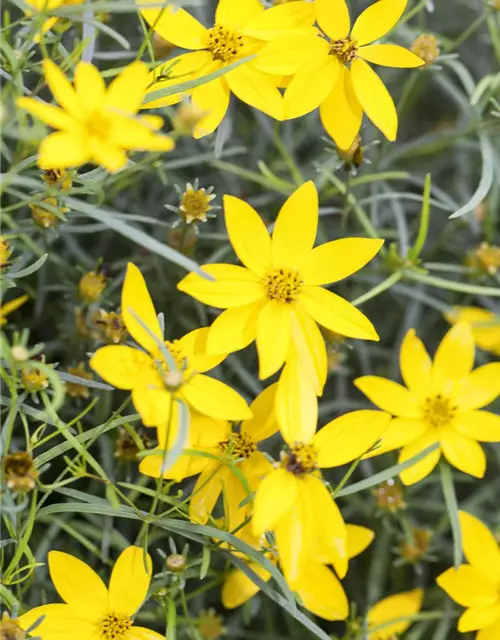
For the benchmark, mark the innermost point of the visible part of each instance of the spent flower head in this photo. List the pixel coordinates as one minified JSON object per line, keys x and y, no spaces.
{"x":426,"y":46}
{"x":195,"y":203}
{"x":44,"y":213}
{"x":5,"y":252}
{"x":75,"y":389}
{"x":61,"y":179}
{"x":20,"y":472}
{"x":91,"y":286}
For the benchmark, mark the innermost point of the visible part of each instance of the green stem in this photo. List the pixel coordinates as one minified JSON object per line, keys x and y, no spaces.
{"x":379,"y":288}
{"x":289,"y":161}
{"x":424,"y":221}
{"x":348,"y":474}
{"x":449,"y":285}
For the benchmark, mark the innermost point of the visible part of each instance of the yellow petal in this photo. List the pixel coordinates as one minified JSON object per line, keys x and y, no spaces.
{"x":125,"y":367}
{"x":141,"y":633}
{"x":211,"y":98}
{"x":463,"y":453}
{"x":358,"y":539}
{"x":248,"y":235}
{"x":154,"y":405}
{"x":416,"y":365}
{"x":377,"y":20}
{"x":350,"y":436}
{"x":321,"y":592}
{"x":480,"y":546}
{"x":263,"y":425}
{"x":310,"y":86}
{"x":341,"y":113}
{"x":89,"y":86}
{"x":374,"y":97}
{"x":256,"y":89}
{"x":126,"y":91}
{"x":489,"y":633}
{"x":333,"y":18}
{"x":296,"y":226}
{"x":238,"y":588}
{"x":296,"y":404}
{"x":235,"y":328}
{"x":136,"y":301}
{"x":480,"y":388}
{"x":422,"y":469}
{"x":61,"y":89}
{"x":333,"y":312}
{"x":401,"y":605}
{"x":77,"y":584}
{"x":174,"y":25}
{"x":230,"y":14}
{"x":291,"y":17}
{"x":273,"y":337}
{"x":48,"y":113}
{"x":309,"y":346}
{"x":390,"y":55}
{"x":285,"y":55}
{"x":485,"y":326}
{"x":130,"y":580}
{"x":194,"y":346}
{"x":329,"y":525}
{"x":389,"y":396}
{"x":336,"y":260}
{"x":468,"y":587}
{"x":206,"y":491}
{"x":454,"y":358}
{"x":58,"y":618}
{"x":10,"y":306}
{"x":400,"y":432}
{"x":276,"y":496}
{"x":232,"y":286}
{"x":107,"y":154}
{"x":478,"y":618}
{"x":216,"y":399}
{"x":479,"y":425}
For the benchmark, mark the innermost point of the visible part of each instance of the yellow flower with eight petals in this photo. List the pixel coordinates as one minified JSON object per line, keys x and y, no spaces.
{"x":440,"y":405}
{"x":91,"y":610}
{"x":476,"y":585}
{"x":96,"y":124}
{"x":485,"y":326}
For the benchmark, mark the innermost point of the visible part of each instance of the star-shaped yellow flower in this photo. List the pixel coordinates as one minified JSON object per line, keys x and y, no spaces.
{"x":241,"y":29}
{"x":154,"y":385}
{"x":485,"y":326}
{"x":90,"y":609}
{"x":293,"y":502}
{"x":440,"y":405}
{"x":476,"y":585}
{"x":277,"y":297}
{"x":95,"y":123}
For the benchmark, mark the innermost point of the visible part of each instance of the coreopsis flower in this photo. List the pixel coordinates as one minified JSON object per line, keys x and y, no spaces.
{"x":319,"y":590}
{"x":400,"y":605}
{"x":96,"y":123}
{"x":35,"y":7}
{"x":154,"y":384}
{"x":293,"y":502}
{"x":333,"y":73}
{"x":485,"y":326}
{"x":240,"y":30}
{"x":441,"y":405}
{"x":476,"y":585}
{"x":9,"y":307}
{"x":195,"y":203}
{"x":277,"y":297}
{"x":90,"y":609}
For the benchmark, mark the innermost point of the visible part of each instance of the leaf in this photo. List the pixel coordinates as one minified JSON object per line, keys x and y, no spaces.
{"x":450,"y":499}
{"x":29,"y":270}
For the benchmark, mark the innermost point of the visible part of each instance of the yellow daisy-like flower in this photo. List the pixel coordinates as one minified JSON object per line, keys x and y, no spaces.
{"x":9,"y":307}
{"x":319,"y":590}
{"x":332,"y":72}
{"x":440,"y":405}
{"x":155,"y":386}
{"x":277,"y":297}
{"x":400,"y":605}
{"x":90,"y":609}
{"x":485,"y":326}
{"x":476,"y":585}
{"x":96,"y":123}
{"x":241,"y":29}
{"x":293,"y":502}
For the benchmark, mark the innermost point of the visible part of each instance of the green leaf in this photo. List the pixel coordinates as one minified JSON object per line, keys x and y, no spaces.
{"x":450,"y":499}
{"x":29,"y":270}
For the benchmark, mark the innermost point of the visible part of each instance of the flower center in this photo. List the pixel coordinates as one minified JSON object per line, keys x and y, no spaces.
{"x":98,"y":125}
{"x":224,"y":43}
{"x":114,"y":626}
{"x":439,"y":411}
{"x":300,"y":459}
{"x":240,"y":445}
{"x":345,"y":49}
{"x":173,"y":380}
{"x":283,"y":284}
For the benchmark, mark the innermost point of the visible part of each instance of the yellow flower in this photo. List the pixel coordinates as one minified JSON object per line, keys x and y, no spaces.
{"x":277,"y":297}
{"x":318,"y":588}
{"x":440,"y":405}
{"x":476,"y":585}
{"x":293,"y":502}
{"x":46,"y":6}
{"x":241,"y":29}
{"x":7,"y":308}
{"x":485,"y":326}
{"x":91,"y":286}
{"x":90,"y":609}
{"x":96,"y":124}
{"x":195,"y":203}
{"x":155,"y":387}
{"x":332,"y":71}
{"x":400,"y":605}
{"x":5,"y":252}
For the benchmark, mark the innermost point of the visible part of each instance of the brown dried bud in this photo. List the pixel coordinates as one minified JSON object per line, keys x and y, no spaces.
{"x":20,"y":473}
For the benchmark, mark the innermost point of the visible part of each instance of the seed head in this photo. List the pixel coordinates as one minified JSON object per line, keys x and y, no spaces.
{"x":426,"y":46}
{"x":91,"y":286}
{"x":74,"y":389}
{"x":43,"y":217}
{"x":58,"y":178}
{"x":20,"y":473}
{"x":176,"y":563}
